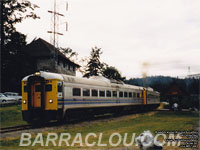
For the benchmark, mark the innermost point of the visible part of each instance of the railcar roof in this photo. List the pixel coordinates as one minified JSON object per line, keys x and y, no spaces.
{"x":46,"y":75}
{"x":94,"y":81}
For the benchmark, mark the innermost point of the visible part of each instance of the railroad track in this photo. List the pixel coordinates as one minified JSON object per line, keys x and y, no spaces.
{"x":52,"y":124}
{"x":15,"y":128}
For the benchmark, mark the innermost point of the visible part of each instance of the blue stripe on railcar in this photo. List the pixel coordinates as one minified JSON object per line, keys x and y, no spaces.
{"x":94,"y":101}
{"x":60,"y":100}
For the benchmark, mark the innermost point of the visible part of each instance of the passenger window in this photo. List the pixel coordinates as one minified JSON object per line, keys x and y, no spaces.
{"x":86,"y":92}
{"x":125,"y":94}
{"x":94,"y":92}
{"x":102,"y":93}
{"x":48,"y":87}
{"x":134,"y":94}
{"x":130,"y":94}
{"x":138,"y":95}
{"x":114,"y":93}
{"x":121,"y":94}
{"x":108,"y":93}
{"x":76,"y":92}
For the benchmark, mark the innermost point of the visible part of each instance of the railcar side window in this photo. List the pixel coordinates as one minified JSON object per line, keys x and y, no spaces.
{"x":102,"y":93}
{"x":134,"y":94}
{"x":121,"y":94}
{"x":108,"y":93}
{"x":94,"y":92}
{"x":130,"y":94}
{"x":48,"y":87}
{"x":138,"y":95}
{"x":86,"y":92}
{"x":125,"y":94}
{"x":114,"y":93}
{"x":25,"y":88}
{"x":76,"y":92}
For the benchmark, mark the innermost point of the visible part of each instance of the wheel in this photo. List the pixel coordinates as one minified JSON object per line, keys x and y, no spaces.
{"x":3,"y":101}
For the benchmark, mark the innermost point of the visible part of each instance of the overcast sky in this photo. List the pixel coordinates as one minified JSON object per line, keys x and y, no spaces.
{"x":163,"y":34}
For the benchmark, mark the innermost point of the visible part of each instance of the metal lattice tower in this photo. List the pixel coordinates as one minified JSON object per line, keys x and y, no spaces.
{"x":54,"y":37}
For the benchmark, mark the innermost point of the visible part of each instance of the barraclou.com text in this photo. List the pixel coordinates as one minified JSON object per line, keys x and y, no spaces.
{"x":91,"y":139}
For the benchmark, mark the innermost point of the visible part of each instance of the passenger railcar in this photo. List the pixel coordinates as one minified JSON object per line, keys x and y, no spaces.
{"x":51,"y":96}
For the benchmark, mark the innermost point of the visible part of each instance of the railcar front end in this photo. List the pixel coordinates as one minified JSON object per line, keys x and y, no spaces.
{"x":40,"y":94}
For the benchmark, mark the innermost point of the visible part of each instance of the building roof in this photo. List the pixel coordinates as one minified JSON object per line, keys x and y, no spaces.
{"x":41,"y":48}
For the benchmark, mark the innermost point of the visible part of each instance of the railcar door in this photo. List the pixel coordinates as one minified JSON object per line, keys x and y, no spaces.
{"x":36,"y":95}
{"x":144,"y":96}
{"x":60,"y":94}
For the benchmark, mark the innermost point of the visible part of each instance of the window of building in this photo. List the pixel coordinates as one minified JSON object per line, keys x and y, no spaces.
{"x":108,"y":93}
{"x":71,"y":68}
{"x":76,"y":92}
{"x":94,"y":92}
{"x":125,"y":94}
{"x":130,"y":94}
{"x":48,"y":87}
{"x":86,"y":92}
{"x":114,"y":93}
{"x":102,"y":93}
{"x":67,"y":66}
{"x":121,"y":94}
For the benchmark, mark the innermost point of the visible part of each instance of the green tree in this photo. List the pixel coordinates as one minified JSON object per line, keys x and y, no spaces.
{"x":69,"y":53}
{"x":111,"y":72}
{"x":94,"y":66}
{"x":12,"y":12}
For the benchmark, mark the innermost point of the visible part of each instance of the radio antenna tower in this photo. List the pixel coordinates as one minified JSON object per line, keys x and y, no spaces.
{"x":55,"y":28}
{"x":188,"y":71}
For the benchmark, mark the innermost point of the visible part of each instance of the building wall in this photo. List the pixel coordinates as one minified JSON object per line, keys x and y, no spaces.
{"x":46,"y":64}
{"x":66,"y":68}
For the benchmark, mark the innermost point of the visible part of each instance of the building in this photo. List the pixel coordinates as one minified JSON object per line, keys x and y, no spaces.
{"x":176,"y":95}
{"x":47,"y":58}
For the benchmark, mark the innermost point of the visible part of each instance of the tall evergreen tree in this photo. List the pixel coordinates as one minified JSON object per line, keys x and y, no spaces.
{"x":94,"y":66}
{"x":111,"y":72}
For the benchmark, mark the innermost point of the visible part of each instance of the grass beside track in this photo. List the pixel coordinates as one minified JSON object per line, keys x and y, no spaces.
{"x":11,"y":116}
{"x":152,"y":121}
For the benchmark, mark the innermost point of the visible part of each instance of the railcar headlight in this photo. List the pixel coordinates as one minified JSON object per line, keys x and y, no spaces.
{"x":50,"y":101}
{"x":24,"y":101}
{"x":37,"y":73}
